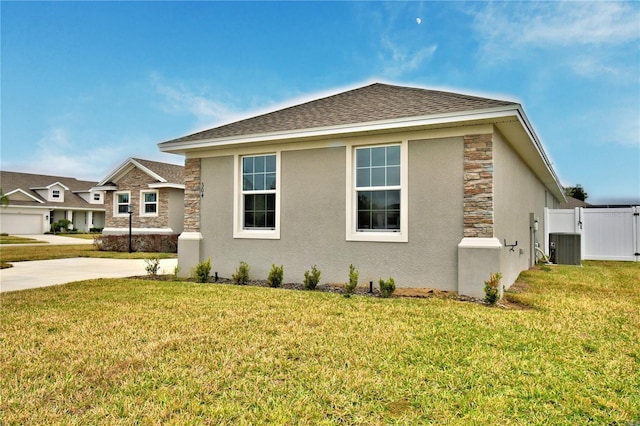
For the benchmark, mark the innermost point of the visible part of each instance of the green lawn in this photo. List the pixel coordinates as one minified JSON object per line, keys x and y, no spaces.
{"x":50,"y":251}
{"x":150,"y":352}
{"x":12,"y":239}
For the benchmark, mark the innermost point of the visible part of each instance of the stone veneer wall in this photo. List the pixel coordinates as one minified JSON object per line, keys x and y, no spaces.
{"x":192,"y":195}
{"x":134,"y":182}
{"x":478,"y":186}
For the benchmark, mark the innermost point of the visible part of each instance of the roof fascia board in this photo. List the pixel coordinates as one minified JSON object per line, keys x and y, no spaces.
{"x":22,"y":191}
{"x":526,"y":125}
{"x":105,"y":188}
{"x":148,"y":171}
{"x":166,"y":185}
{"x":486,"y":114}
{"x":123,"y":169}
{"x":50,"y":186}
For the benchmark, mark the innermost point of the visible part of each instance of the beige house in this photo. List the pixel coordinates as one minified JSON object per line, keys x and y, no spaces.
{"x":37,"y":201}
{"x":149,"y":193}
{"x":435,"y":189}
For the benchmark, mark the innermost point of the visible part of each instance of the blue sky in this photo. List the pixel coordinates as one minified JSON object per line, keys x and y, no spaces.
{"x":86,"y":85}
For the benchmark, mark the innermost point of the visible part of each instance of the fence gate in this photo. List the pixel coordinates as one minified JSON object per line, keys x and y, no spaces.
{"x":606,"y":233}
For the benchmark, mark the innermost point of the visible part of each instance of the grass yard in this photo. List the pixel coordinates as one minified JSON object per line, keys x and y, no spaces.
{"x":12,"y":239}
{"x":148,"y":352}
{"x":50,"y":251}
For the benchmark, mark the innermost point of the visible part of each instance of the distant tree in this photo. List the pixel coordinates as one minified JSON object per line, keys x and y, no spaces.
{"x":4,"y":198}
{"x":576,"y":192}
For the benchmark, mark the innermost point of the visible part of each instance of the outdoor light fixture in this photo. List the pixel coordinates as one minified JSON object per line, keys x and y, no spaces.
{"x":130,"y":211}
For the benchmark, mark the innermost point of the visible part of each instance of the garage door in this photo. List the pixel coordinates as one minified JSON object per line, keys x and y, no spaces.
{"x":14,"y":223}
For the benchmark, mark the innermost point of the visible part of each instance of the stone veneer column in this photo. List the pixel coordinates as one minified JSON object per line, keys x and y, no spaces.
{"x":189,"y":240}
{"x":478,"y":186}
{"x":479,"y":252}
{"x":192,"y":195}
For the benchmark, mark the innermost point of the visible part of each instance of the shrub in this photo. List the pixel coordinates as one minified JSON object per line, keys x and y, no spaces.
{"x":276,"y":274}
{"x":202,"y":270}
{"x":353,"y":281}
{"x":151,"y":243}
{"x":387,"y":287}
{"x":241,"y":276}
{"x":176,"y":271}
{"x":153,"y":266}
{"x":311,"y":279}
{"x":492,"y":288}
{"x":61,"y":225}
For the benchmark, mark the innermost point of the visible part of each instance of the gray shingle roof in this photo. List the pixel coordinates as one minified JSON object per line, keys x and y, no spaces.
{"x":172,"y":173}
{"x":375,"y":102}
{"x":10,"y":181}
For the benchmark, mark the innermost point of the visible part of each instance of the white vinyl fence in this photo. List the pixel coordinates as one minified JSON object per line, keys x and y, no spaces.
{"x":605,"y":233}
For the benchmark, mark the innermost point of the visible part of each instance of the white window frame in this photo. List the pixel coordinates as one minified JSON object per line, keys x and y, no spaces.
{"x":238,"y":206}
{"x":116,"y":213}
{"x":352,"y":233}
{"x":97,"y":196}
{"x":143,"y":203}
{"x":55,"y":193}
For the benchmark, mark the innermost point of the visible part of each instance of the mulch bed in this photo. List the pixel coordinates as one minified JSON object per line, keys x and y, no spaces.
{"x":421,"y":293}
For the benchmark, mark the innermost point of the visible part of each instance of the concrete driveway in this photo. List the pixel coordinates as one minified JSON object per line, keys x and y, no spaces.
{"x":53,"y":240}
{"x":43,"y":273}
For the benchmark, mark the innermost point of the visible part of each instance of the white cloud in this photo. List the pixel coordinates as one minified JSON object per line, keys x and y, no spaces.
{"x":58,"y":153}
{"x":180,"y":98}
{"x":585,"y":30}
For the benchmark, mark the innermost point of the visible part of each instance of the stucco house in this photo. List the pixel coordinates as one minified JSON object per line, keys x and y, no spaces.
{"x":37,"y":201}
{"x":152,"y":191}
{"x":429,"y":187}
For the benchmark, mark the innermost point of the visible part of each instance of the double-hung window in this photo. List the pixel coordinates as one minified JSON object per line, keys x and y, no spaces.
{"x":257,"y":199}
{"x":121,"y":203}
{"x":149,"y":203}
{"x":378,"y":194}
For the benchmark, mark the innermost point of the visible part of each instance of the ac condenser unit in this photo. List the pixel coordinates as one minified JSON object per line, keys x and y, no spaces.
{"x":565,"y":249}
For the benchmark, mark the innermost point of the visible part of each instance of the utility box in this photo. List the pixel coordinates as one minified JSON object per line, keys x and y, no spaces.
{"x":564,"y":249}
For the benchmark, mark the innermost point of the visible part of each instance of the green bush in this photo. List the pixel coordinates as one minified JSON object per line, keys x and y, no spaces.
{"x":387,"y":287}
{"x":311,"y":279}
{"x":61,"y":225}
{"x":492,"y":288}
{"x":202,"y":270}
{"x":153,"y":266}
{"x":276,"y":275}
{"x":241,"y":276}
{"x":353,"y":281}
{"x":176,"y":271}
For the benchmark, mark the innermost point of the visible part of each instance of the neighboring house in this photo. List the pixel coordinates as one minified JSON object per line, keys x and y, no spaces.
{"x":152,"y":191}
{"x":572,"y":203}
{"x":429,"y":187}
{"x":37,"y":201}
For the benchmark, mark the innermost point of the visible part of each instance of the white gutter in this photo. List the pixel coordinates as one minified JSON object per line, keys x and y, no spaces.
{"x":373,"y":126}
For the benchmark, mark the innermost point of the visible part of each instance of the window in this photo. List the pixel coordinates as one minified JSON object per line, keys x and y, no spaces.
{"x":96,"y":196}
{"x":378,"y":188}
{"x":257,"y":203}
{"x":55,"y":193}
{"x":377,"y":195}
{"x":149,"y":203}
{"x":121,"y":200}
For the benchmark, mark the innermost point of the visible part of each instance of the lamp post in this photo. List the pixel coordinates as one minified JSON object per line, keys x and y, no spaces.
{"x":130,"y":211}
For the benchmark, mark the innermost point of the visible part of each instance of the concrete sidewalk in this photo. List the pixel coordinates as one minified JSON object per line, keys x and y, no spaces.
{"x":43,"y":273}
{"x":52,"y":240}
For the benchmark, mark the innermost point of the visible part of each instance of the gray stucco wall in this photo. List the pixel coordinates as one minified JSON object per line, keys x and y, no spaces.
{"x":312,"y":226}
{"x":176,"y":209}
{"x":518,"y":192}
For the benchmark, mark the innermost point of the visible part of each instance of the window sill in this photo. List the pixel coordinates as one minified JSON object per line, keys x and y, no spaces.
{"x":257,"y":234}
{"x":379,"y":237}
